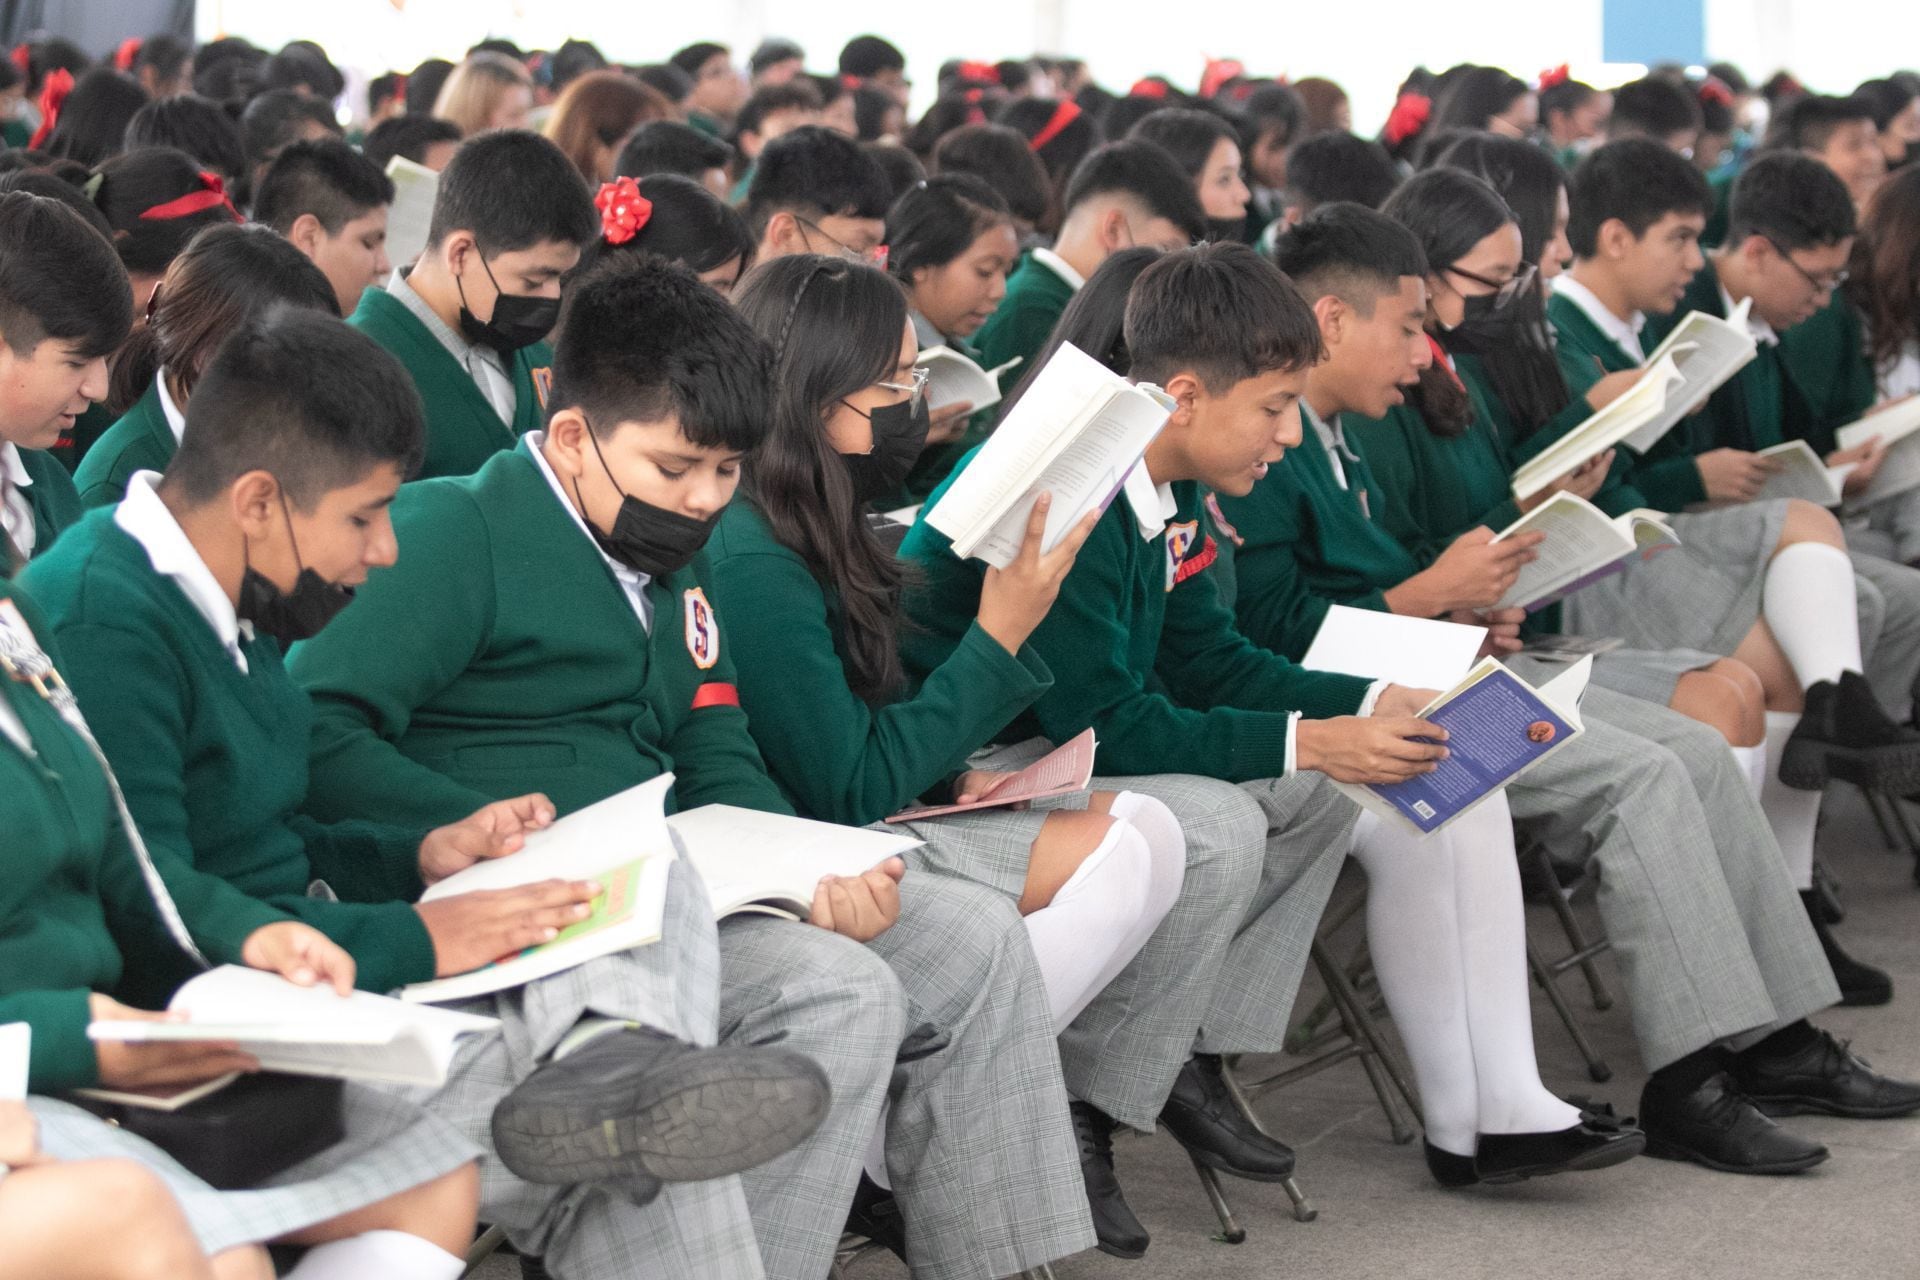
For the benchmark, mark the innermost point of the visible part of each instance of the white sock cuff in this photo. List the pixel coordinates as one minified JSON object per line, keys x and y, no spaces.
{"x":378,"y":1255}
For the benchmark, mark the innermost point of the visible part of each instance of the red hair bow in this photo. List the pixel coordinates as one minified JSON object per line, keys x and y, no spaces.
{"x":211,"y":195}
{"x":1555,"y":75}
{"x":1714,"y":89}
{"x":1408,"y":117}
{"x":53,"y":96}
{"x":129,"y":50}
{"x":851,"y":82}
{"x":22,"y":58}
{"x":984,"y":72}
{"x":1063,"y":115}
{"x":1219,"y":71}
{"x":623,"y":210}
{"x":1148,"y":87}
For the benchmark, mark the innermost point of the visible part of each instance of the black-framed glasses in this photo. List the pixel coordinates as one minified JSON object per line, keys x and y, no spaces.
{"x":1821,"y":284}
{"x":876,"y":256}
{"x":1504,"y":291}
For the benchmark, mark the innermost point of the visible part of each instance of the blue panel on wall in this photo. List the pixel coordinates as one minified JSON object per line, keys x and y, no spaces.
{"x":1654,"y":31}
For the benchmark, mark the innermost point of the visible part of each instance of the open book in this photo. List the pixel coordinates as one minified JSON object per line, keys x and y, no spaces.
{"x":1625,"y":420}
{"x":768,"y":863}
{"x":1061,"y":772}
{"x":1498,"y":727}
{"x":16,"y":1045}
{"x":1799,"y":472}
{"x":1582,"y":546}
{"x":1898,"y":426}
{"x":1706,"y":351}
{"x":309,"y":1031}
{"x":1076,"y":433}
{"x":1417,"y":653}
{"x":952,"y":378}
{"x":622,"y":842}
{"x":415,"y":187}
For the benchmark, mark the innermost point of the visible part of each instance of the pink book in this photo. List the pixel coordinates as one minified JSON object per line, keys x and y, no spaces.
{"x":1061,"y":772}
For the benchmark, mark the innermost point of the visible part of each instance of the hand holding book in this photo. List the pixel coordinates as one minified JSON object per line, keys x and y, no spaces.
{"x":1375,"y":749}
{"x":1014,"y":600}
{"x":155,"y":1066}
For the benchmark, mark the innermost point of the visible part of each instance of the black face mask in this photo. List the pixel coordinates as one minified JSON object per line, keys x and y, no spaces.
{"x":290,"y":616}
{"x":899,"y":434}
{"x":1483,"y":310}
{"x":645,"y":538}
{"x":518,"y":320}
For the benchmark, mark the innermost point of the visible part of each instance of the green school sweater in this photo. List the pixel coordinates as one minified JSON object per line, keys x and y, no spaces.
{"x":500,"y":656}
{"x":1720,"y":183}
{"x":1143,"y":649}
{"x":55,"y":503}
{"x":1586,"y":354}
{"x":463,"y":430}
{"x":1825,"y":359}
{"x":140,"y":441}
{"x":213,"y":763}
{"x":87,"y":430}
{"x":1020,"y":325}
{"x":835,"y":757}
{"x":72,"y":902}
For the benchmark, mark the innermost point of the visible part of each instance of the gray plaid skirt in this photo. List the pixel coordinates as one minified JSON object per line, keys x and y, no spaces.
{"x":990,"y":847}
{"x":390,"y":1146}
{"x":1648,"y":674}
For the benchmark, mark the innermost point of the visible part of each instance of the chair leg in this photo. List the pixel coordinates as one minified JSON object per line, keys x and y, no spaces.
{"x":1874,"y":807}
{"x":1597,"y":1068}
{"x":1230,"y":1229}
{"x":1583,"y":950}
{"x":1829,"y":888}
{"x":1375,"y":1058}
{"x":484,"y":1247}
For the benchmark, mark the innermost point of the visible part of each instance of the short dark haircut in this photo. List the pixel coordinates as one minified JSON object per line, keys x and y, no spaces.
{"x":513,"y":190}
{"x":41,"y":182}
{"x":165,"y":55}
{"x":1792,"y":200}
{"x":902,"y":167}
{"x":410,"y":136}
{"x":228,"y":71}
{"x":273,"y":400}
{"x":668,"y":146}
{"x":819,"y":173}
{"x":327,"y":179}
{"x":867,"y":56}
{"x":1332,"y":167}
{"x":1887,"y":97}
{"x":93,"y":124}
{"x":640,"y":339}
{"x":1637,"y":181}
{"x":1809,"y":123}
{"x":1350,"y":252}
{"x":669,"y":80}
{"x":1271,"y":108}
{"x":198,"y":126}
{"x":59,"y":279}
{"x":134,"y":183}
{"x":871,"y":108}
{"x":1476,"y":96}
{"x":1652,"y":107}
{"x":273,"y":119}
{"x":301,"y":67}
{"x":794,"y":95}
{"x":573,"y":59}
{"x":424,"y":83}
{"x":1000,"y":157}
{"x":1188,"y":134}
{"x":773,"y":51}
{"x":935,"y":222}
{"x":1221,"y":312}
{"x":689,"y":225}
{"x":1566,"y":96}
{"x":696,"y":56}
{"x":1140,"y":171}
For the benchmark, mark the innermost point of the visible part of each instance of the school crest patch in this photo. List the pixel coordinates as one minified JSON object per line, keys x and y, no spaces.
{"x":1181,"y":539}
{"x":542,"y":384}
{"x":703,"y":631}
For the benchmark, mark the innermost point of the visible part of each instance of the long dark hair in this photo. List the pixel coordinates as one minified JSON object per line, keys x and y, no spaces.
{"x":135,"y":183}
{"x":1515,"y":345}
{"x":835,"y":327}
{"x":938,"y":220}
{"x":1095,"y":321}
{"x":93,"y":124}
{"x":1448,"y":211}
{"x":1885,"y":284}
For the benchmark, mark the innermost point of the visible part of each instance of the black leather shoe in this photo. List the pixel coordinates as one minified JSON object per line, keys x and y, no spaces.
{"x":1718,"y":1127}
{"x":1118,"y":1231}
{"x":876,"y":1215}
{"x":1860,"y":984}
{"x":1449,"y":1170}
{"x":1825,"y":1078}
{"x":1201,"y":1116}
{"x":1599,"y":1141}
{"x":637,"y":1107}
{"x":1845,"y":733}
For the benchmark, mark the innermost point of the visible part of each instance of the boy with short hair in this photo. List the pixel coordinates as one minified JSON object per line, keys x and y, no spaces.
{"x":277,"y":119}
{"x":718,"y":87}
{"x":771,"y":113}
{"x":667,"y":146}
{"x":876,"y":61}
{"x":1123,"y":194}
{"x":1336,"y":166}
{"x":330,"y":202}
{"x":470,"y":318}
{"x":64,"y":308}
{"x":815,"y":191}
{"x":426,"y":140}
{"x":1658,"y":109}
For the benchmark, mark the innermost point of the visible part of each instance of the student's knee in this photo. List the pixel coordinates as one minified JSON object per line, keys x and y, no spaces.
{"x":441,"y":1212}
{"x":137,"y":1215}
{"x":248,"y":1262}
{"x":1166,"y":845}
{"x":1806,"y":522}
{"x":1067,"y":839}
{"x":1720,"y":701}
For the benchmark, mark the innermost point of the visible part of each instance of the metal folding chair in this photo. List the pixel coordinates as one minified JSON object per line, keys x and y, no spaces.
{"x":1581,"y":955}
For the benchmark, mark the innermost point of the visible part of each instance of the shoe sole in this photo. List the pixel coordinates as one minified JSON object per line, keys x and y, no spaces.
{"x":1669,"y":1151}
{"x":1114,"y":1251}
{"x":1807,"y":766}
{"x":1214,"y":1162}
{"x":717,"y":1113}
{"x":1599,"y":1158}
{"x":1870,"y":998}
{"x":1794,"y":1105}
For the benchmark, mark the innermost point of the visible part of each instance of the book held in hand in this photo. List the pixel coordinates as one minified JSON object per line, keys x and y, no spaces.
{"x":1583,"y":545}
{"x":1076,"y":433}
{"x":1799,"y":472}
{"x":953,"y":378}
{"x":1897,"y":425}
{"x":1498,"y":727}
{"x":1706,"y":351}
{"x":1627,"y":419}
{"x":16,"y":1046}
{"x":769,"y":863}
{"x":307,"y":1031}
{"x":1063,"y":771}
{"x":1415,"y":653}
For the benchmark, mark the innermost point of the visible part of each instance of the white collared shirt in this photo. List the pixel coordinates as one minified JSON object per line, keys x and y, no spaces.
{"x":1625,"y":333}
{"x":632,"y":581}
{"x":144,"y":518}
{"x":1060,"y":267}
{"x":16,"y":513}
{"x":12,"y":728}
{"x":1332,"y":439}
{"x":483,"y":364}
{"x":1758,"y":329}
{"x":176,"y":420}
{"x":1153,"y":504}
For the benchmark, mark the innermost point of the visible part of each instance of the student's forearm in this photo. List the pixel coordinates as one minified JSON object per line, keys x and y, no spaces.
{"x":1416,"y":598}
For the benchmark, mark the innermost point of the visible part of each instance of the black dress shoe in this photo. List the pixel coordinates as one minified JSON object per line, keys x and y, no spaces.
{"x":1717,"y":1126}
{"x":1114,"y":1225}
{"x":1824,"y":1077}
{"x":1860,"y":984}
{"x":1201,"y":1116}
{"x":1449,"y":1170}
{"x":1845,"y":733}
{"x":876,"y":1215}
{"x":638,"y":1107}
{"x":1599,"y":1141}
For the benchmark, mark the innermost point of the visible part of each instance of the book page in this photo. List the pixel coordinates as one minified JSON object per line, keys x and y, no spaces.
{"x":1800,"y":473}
{"x":1706,"y":352}
{"x":747,"y":856}
{"x":164,"y":1097}
{"x":1064,"y":770}
{"x":1579,"y":540}
{"x":1417,"y":653}
{"x":16,"y":1043}
{"x":1898,"y":425}
{"x":579,"y":846}
{"x":415,"y":187}
{"x":1625,"y":415}
{"x":1891,"y":422}
{"x":954,"y":379}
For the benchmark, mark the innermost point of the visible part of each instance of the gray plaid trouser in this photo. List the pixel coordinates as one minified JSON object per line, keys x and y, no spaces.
{"x":1889,"y":629}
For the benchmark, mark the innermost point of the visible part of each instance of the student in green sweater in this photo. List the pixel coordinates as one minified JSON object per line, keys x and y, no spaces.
{"x":816,"y":191}
{"x":561,"y":634}
{"x":1122,"y":195}
{"x":331,"y":203}
{"x":173,"y":607}
{"x":63,"y":309}
{"x":1145,"y":652}
{"x":813,"y":599}
{"x":225,"y":281}
{"x":469,"y":319}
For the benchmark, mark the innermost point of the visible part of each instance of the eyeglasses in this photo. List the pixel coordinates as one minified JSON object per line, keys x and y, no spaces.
{"x":1504,"y":291}
{"x":875,"y":257}
{"x":915,"y":391}
{"x":1821,"y":284}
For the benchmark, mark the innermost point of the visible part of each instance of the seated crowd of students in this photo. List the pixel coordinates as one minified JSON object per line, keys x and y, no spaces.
{"x":324,"y":577}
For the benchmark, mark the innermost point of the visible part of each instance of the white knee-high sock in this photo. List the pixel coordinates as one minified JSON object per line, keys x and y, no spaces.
{"x":1792,"y":814}
{"x":1167,"y":850}
{"x":1082,"y":938}
{"x":378,"y":1255}
{"x":1809,"y":603}
{"x":1753,"y":762}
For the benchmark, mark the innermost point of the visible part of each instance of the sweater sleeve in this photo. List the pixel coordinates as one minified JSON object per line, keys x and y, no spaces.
{"x":842,"y":760}
{"x":60,"y":1056}
{"x":715,"y":759}
{"x":1274,"y":605}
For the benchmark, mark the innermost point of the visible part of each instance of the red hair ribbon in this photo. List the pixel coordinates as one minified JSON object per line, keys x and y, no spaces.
{"x":851,"y":82}
{"x":1555,"y":75}
{"x":984,"y":72}
{"x":1408,"y":117}
{"x":1219,"y":71}
{"x":129,"y":50}
{"x":974,"y":95}
{"x":1714,"y":89}
{"x":22,"y":58}
{"x":1063,"y":115}
{"x":211,"y":195}
{"x":53,"y":96}
{"x":1148,"y":87}
{"x":1441,"y":361}
{"x":623,"y":210}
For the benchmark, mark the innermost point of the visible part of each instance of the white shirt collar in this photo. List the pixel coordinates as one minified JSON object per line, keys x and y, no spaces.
{"x":1332,"y":438}
{"x":1625,"y":333}
{"x":631,"y":580}
{"x":176,"y":420}
{"x":1153,"y":504}
{"x":1761,"y":332}
{"x":16,"y":513}
{"x":13,"y":469}
{"x":145,"y":519}
{"x":1060,"y":267}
